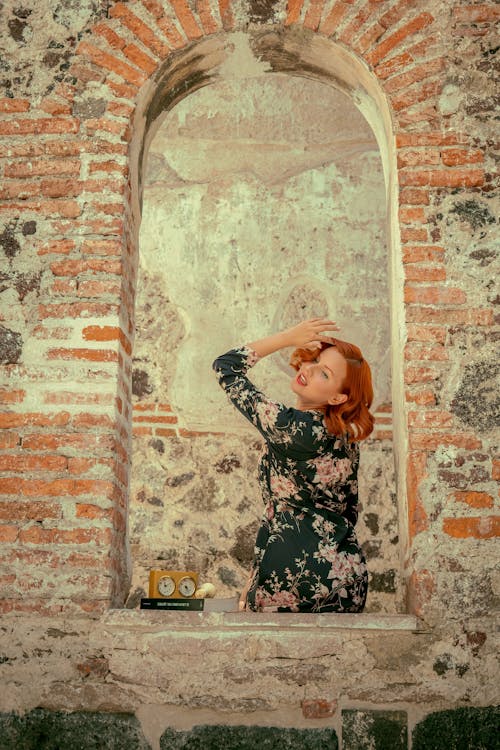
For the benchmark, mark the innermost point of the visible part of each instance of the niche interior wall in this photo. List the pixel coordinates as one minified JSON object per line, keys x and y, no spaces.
{"x":83,"y":93}
{"x":264,"y":203}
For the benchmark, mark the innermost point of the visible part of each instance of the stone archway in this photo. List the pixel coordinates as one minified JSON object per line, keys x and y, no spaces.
{"x":241,"y":56}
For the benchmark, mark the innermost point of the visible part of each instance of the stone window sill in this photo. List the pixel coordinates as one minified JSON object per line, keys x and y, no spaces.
{"x":159,"y":620}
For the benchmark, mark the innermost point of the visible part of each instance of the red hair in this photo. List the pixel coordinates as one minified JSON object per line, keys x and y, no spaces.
{"x":353,"y":416}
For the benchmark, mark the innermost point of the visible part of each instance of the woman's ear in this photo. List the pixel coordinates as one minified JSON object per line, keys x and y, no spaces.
{"x":339,"y":398}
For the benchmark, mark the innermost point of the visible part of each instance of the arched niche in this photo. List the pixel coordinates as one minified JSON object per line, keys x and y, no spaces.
{"x":238,"y":58}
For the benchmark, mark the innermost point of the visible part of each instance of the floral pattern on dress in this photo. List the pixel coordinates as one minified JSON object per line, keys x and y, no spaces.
{"x":307,"y":557}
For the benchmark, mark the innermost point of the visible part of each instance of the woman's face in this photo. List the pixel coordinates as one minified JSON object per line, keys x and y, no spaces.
{"x":319,"y":382}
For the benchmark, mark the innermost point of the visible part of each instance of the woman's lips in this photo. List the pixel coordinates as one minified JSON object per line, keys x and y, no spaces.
{"x":301,"y":380}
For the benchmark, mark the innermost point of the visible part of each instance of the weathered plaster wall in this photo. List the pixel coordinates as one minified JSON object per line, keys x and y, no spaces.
{"x":264,"y":204}
{"x":78,"y":81}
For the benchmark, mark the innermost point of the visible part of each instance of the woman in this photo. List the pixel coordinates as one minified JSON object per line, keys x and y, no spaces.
{"x":307,"y":558}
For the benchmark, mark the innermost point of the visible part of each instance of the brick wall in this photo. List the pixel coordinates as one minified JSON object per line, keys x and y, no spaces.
{"x":73,"y":118}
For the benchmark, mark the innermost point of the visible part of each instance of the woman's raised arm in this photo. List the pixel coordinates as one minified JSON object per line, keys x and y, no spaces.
{"x":308,"y":334}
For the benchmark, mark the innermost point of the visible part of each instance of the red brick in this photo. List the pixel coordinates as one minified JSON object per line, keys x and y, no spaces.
{"x":32,"y":463}
{"x":419,"y":156}
{"x":404,"y":140}
{"x":421,"y":588}
{"x":84,"y":465}
{"x":350,"y":31}
{"x":8,"y":420}
{"x":415,"y":95}
{"x":92,"y":265}
{"x":413,"y":214}
{"x":473,"y":499}
{"x":55,"y":487}
{"x":422,"y":397}
{"x":423,"y":254}
{"x":139,"y":58}
{"x":416,"y":272}
{"x":9,"y":440}
{"x":417,"y":352}
{"x":86,"y":510}
{"x":382,"y":50}
{"x":42,"y":167}
{"x":470,"y":316}
{"x":430,"y":419}
{"x":39,"y":535}
{"x":417,"y":375}
{"x":66,"y":208}
{"x":204,"y":11}
{"x":12,"y":396}
{"x":442,"y":178}
{"x":59,"y":332}
{"x":54,"y":107}
{"x":412,"y":234}
{"x":107,"y":167}
{"x":432,"y":441}
{"x":111,"y":63}
{"x":36,"y":511}
{"x":102,"y":247}
{"x":396,"y":12}
{"x":114,"y":40}
{"x":186,"y":19}
{"x":294,"y":8}
{"x":140,"y":29}
{"x":140,"y":431}
{"x":416,"y":473}
{"x":485,"y":13}
{"x":164,"y":419}
{"x":495,"y":470}
{"x":78,"y":397}
{"x":86,"y":419}
{"x":101,"y":333}
{"x":56,"y":247}
{"x":393,"y":65}
{"x":313,"y":14}
{"x":95,"y":289}
{"x":455,"y":156}
{"x":368,"y":39}
{"x":91,"y":355}
{"x":172,"y":34}
{"x":44,"y":125}
{"x":318,"y":708}
{"x":433,"y":295}
{"x":14,"y":105}
{"x":334,"y":17}
{"x":415,"y":74}
{"x":8,"y":533}
{"x":85,"y":442}
{"x":64,"y":287}
{"x":485,"y":527}
{"x":436,"y":334}
{"x":414,"y":196}
{"x":78,"y":310}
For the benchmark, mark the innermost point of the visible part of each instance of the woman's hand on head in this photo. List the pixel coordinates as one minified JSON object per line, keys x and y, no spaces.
{"x":311,"y":333}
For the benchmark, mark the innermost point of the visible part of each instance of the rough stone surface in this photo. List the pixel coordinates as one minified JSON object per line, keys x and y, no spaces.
{"x":374,"y":730}
{"x":459,"y":729}
{"x":248,"y":738}
{"x":11,"y":346}
{"x":54,"y":730}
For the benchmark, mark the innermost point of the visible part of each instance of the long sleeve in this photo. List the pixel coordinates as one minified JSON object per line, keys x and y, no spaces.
{"x":277,"y":423}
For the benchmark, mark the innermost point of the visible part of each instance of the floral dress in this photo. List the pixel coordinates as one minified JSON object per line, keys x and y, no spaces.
{"x":307,"y":557}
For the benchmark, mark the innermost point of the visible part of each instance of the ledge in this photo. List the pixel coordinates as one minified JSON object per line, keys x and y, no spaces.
{"x":194,"y":622}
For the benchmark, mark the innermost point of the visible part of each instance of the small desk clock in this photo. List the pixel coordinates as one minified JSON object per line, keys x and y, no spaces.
{"x":172,"y":584}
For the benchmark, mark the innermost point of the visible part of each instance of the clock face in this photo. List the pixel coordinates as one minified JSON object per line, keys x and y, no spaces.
{"x":187,"y":586}
{"x":166,"y":586}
